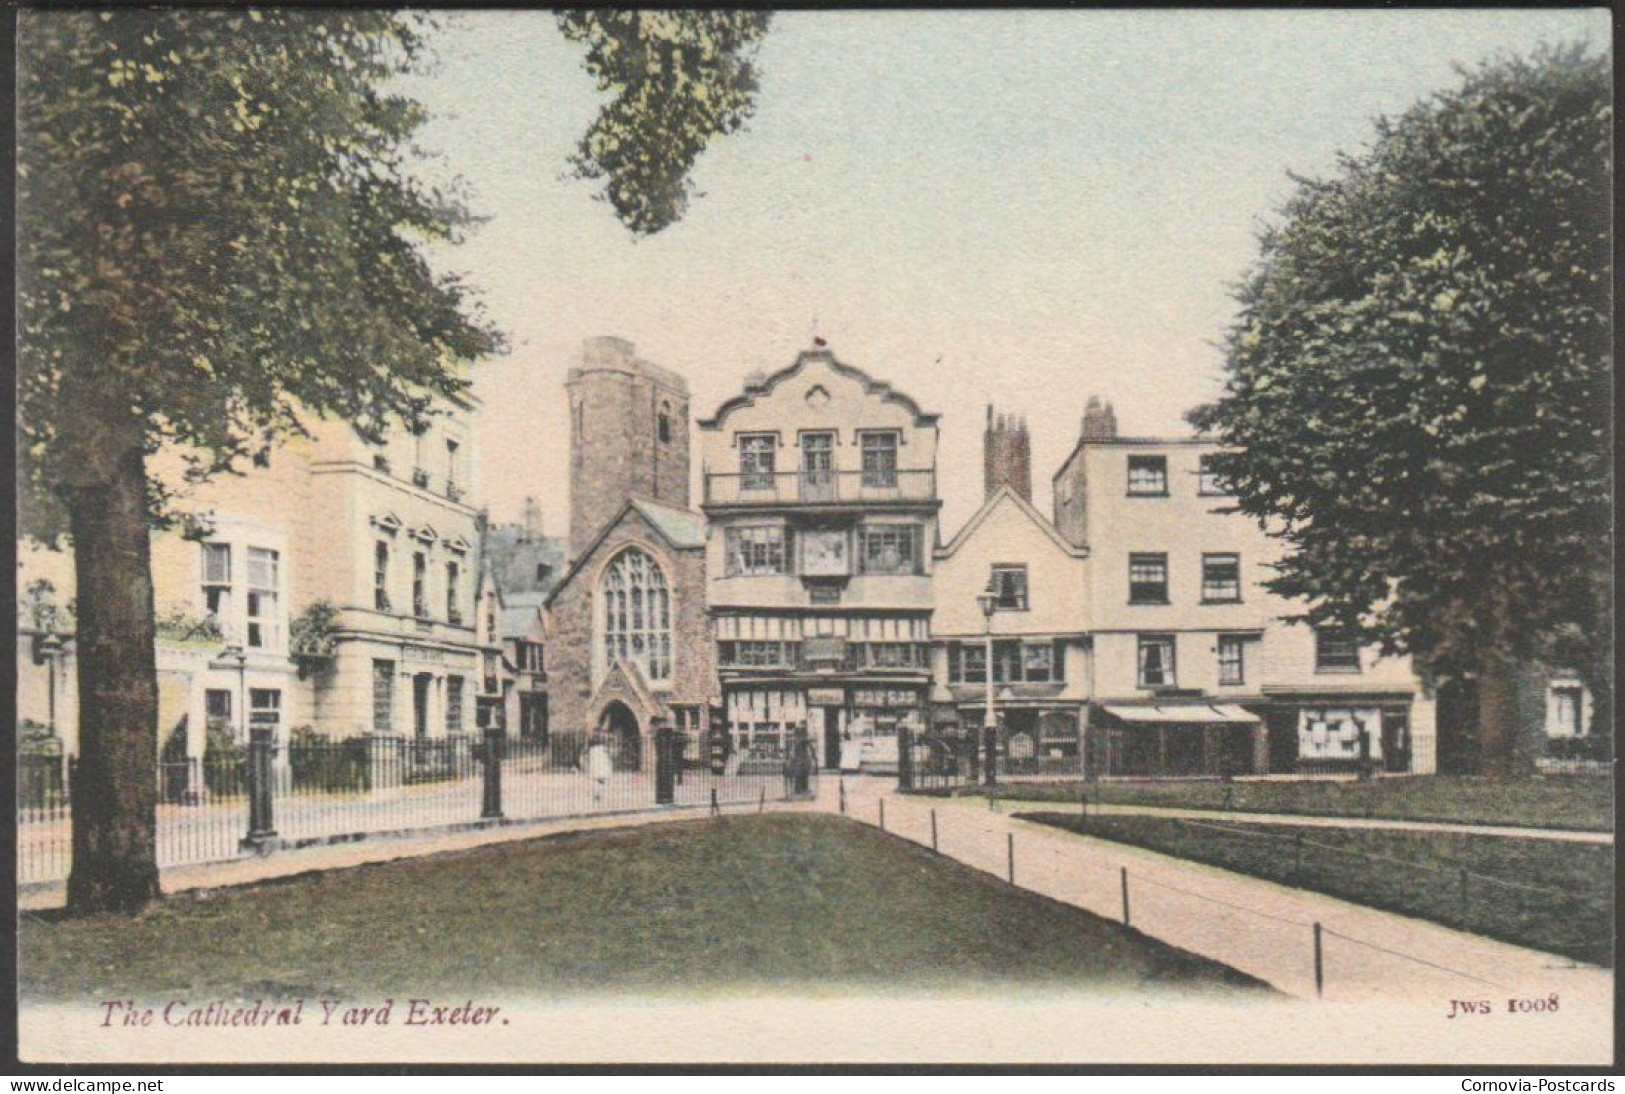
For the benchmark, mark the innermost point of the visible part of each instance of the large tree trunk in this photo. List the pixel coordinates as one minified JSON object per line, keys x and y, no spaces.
{"x":115,"y":862}
{"x":1504,"y":706}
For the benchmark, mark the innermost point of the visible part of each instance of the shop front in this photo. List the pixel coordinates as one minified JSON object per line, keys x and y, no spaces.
{"x":1186,"y":740}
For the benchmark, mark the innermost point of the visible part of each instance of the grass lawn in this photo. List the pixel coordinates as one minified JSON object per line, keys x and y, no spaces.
{"x":806,"y":902}
{"x":1561,"y":902}
{"x":1584,"y":802}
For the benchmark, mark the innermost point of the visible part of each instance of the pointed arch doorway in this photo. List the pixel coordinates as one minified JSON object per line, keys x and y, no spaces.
{"x":625,"y":738}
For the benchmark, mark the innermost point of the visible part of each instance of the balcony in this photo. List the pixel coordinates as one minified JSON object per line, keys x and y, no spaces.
{"x":775,"y":488}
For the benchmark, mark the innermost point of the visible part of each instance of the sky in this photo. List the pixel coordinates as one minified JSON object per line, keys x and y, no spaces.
{"x":1017,"y":207}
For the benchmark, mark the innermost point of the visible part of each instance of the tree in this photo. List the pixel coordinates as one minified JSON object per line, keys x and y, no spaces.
{"x":1418,"y":389}
{"x":221,"y":236}
{"x":681,"y":80}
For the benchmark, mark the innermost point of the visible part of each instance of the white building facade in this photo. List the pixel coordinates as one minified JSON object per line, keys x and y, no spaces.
{"x":1195,"y":669}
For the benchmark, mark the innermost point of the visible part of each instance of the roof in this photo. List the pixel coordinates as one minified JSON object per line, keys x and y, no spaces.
{"x":519,"y":620}
{"x":1130,"y":442}
{"x":1005,"y":493}
{"x":682,"y":529}
{"x":755,"y":388}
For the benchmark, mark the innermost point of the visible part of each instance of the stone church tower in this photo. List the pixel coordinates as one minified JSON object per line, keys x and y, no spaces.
{"x":1006,"y":455}
{"x":628,"y":436}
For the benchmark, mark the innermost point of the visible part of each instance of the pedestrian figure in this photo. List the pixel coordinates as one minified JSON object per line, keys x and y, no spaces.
{"x":598,"y":766}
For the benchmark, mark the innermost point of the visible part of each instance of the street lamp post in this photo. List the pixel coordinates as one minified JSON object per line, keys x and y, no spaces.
{"x":50,"y":649}
{"x":988,"y":601}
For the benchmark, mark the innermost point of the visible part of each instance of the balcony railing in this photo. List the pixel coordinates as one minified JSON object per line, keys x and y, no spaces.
{"x":819,"y":487}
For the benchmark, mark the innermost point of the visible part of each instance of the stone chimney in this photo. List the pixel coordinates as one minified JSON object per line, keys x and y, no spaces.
{"x":1099,"y":421}
{"x":530,"y":529}
{"x":1006,"y":455}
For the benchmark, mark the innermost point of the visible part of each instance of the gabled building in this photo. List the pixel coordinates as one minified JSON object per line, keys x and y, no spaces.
{"x":821,"y":493}
{"x":1037,"y":631}
{"x":628,"y":644}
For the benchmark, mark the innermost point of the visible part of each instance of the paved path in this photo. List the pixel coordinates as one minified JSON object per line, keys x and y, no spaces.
{"x":1261,"y":928}
{"x":1567,"y":835}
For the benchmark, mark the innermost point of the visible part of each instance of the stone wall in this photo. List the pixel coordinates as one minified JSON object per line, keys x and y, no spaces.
{"x":573,"y":678}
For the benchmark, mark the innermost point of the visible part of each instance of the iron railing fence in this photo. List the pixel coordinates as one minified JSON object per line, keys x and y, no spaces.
{"x":319,"y":790}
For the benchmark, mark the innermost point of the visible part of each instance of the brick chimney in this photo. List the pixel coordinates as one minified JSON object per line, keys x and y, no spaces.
{"x":1099,"y":421}
{"x":1006,"y":455}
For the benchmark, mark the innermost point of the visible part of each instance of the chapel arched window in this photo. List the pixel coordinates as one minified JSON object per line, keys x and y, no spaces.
{"x":637,"y":615}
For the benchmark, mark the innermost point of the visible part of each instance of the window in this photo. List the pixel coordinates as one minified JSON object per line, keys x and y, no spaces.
{"x":380,"y":576}
{"x":1221,"y":579}
{"x":757,"y":549}
{"x":217,"y":580}
{"x":1148,"y":579}
{"x":217,"y":709}
{"x":454,"y":704}
{"x":663,"y":426}
{"x":1009,"y":585}
{"x":1038,"y":662}
{"x":879,"y":459}
{"x":1565,"y":712}
{"x":264,"y":622}
{"x":758,"y":654}
{"x":1209,"y":481}
{"x":818,"y":466}
{"x":889,"y":549}
{"x":1156,"y":660}
{"x":533,"y":716}
{"x":1014,"y":662}
{"x":454,"y":596}
{"x":893,"y":655}
{"x":420,"y":585}
{"x":453,"y":475}
{"x":635,"y":609}
{"x":757,"y":452}
{"x":383,"y":696}
{"x":1148,"y":476}
{"x":1336,"y":651}
{"x":532,"y":657}
{"x":971,"y":664}
{"x":264,"y":706}
{"x":1232,"y":659}
{"x":543,"y":572}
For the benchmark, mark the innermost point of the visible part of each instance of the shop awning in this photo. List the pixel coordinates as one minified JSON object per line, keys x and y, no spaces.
{"x":1185,"y":714}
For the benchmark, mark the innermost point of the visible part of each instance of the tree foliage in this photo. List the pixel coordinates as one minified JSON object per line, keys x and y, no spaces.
{"x":680,"y":79}
{"x":221,"y":231}
{"x":1419,"y":381}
